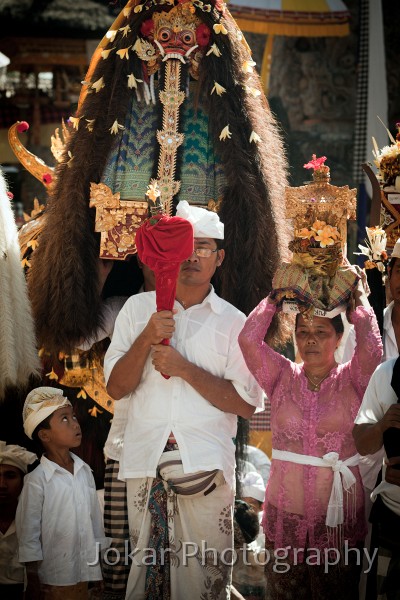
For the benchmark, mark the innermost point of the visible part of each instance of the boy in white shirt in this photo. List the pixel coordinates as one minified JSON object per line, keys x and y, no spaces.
{"x":58,"y":520}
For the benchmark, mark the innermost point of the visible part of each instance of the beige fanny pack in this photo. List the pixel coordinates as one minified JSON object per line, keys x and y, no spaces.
{"x":201,"y":483}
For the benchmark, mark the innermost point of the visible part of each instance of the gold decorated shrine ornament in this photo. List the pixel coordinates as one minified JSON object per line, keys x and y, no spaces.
{"x":316,"y":277}
{"x":117,"y":221}
{"x":319,"y":211}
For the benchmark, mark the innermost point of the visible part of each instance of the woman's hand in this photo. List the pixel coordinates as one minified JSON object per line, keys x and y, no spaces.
{"x":359,"y":296}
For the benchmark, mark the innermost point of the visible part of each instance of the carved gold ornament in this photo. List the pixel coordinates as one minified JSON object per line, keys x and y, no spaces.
{"x":116,"y":220}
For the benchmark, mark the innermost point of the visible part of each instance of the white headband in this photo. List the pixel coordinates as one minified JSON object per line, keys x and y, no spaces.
{"x":206,"y":223}
{"x":16,"y":456}
{"x":253,"y":486}
{"x":40,"y":403}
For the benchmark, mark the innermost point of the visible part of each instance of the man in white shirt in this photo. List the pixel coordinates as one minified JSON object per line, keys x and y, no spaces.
{"x":370,"y":464}
{"x":380,"y":411}
{"x":193,"y":414}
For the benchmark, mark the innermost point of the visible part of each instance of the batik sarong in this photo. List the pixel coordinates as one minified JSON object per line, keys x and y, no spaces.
{"x":182,"y":540}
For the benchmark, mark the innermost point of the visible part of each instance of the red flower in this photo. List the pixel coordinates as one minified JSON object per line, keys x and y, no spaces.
{"x":315,"y":163}
{"x":147,"y":27}
{"x":47,"y":178}
{"x":203,"y":35}
{"x":10,"y":195}
{"x":22,"y":126}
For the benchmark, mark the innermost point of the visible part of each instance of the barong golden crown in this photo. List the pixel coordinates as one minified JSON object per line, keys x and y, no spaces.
{"x":178,"y":19}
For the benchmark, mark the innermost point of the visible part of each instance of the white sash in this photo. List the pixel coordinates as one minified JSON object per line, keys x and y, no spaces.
{"x":342,"y":478}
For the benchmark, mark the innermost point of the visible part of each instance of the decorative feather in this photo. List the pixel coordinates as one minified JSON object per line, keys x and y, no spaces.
{"x":18,"y":355}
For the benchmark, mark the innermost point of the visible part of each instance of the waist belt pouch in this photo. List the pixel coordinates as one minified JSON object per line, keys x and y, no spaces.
{"x":201,"y":483}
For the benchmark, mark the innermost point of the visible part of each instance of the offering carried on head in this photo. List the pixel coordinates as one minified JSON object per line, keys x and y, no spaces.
{"x":317,"y":277}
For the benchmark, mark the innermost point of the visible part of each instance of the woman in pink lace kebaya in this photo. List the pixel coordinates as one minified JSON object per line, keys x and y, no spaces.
{"x":314,"y":502}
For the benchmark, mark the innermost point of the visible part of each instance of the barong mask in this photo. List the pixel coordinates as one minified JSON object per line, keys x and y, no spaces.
{"x":201,"y":129}
{"x":175,"y":34}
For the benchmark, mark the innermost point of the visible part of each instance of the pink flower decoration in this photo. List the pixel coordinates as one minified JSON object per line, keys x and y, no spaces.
{"x":315,"y":163}
{"x":147,"y":27}
{"x":219,"y":5}
{"x":23,"y":126}
{"x":10,"y":195}
{"x":47,"y":178}
{"x":203,"y":34}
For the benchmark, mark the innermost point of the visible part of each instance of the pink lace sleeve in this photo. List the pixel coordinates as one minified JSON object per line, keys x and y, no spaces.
{"x":368,"y":352}
{"x":262,"y":361}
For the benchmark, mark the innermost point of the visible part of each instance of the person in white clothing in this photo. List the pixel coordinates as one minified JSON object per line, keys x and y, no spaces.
{"x":380,"y":411}
{"x":370,"y":464}
{"x":391,"y":314}
{"x":58,"y":519}
{"x":178,"y":454}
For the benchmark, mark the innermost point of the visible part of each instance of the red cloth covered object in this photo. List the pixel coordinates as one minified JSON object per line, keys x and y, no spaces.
{"x":163,"y":243}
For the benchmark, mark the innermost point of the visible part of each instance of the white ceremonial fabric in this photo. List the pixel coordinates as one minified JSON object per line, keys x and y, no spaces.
{"x":59,"y":521}
{"x":379,"y":396}
{"x":205,"y":334}
{"x":343,"y":478}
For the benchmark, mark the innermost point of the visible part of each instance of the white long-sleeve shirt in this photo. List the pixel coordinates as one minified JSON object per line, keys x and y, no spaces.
{"x":59,"y":522}
{"x":205,"y":334}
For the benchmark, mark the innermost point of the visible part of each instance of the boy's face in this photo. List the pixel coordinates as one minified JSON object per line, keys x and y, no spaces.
{"x":65,"y":431}
{"x":11,"y":480}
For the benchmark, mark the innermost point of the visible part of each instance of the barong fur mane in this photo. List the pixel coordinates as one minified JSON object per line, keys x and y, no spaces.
{"x":63,"y":279}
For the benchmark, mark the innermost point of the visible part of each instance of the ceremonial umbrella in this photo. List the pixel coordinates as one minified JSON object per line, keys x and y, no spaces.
{"x":309,"y":18}
{"x":163,"y":243}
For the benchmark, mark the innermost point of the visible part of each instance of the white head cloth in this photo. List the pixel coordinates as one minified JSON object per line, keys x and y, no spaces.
{"x":206,"y":223}
{"x":396,"y":250}
{"x":253,"y":486}
{"x":16,"y":456}
{"x":39,"y":404}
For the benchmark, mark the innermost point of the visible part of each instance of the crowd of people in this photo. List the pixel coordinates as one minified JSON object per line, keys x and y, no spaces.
{"x":173,"y":528}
